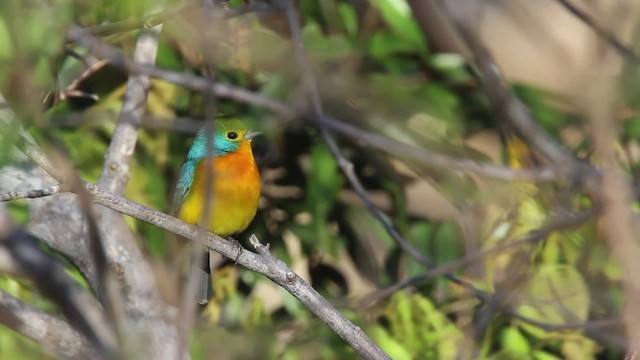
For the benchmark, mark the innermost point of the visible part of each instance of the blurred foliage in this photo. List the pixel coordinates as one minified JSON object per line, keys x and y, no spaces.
{"x":377,"y":71}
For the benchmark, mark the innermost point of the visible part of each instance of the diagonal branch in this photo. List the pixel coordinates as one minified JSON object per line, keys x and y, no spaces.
{"x":53,"y":335}
{"x":600,"y":30}
{"x":345,"y":165}
{"x":78,"y":306}
{"x":510,"y":107}
{"x":260,"y":262}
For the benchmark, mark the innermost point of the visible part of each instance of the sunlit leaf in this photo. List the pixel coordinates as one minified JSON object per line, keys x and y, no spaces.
{"x":6,"y":47}
{"x":555,"y":294}
{"x":397,"y":15}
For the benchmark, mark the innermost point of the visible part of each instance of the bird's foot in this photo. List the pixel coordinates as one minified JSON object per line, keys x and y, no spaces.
{"x":240,"y":249}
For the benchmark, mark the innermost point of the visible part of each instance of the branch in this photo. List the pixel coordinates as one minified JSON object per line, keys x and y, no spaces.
{"x":287,"y":112}
{"x":115,"y":172}
{"x":345,"y":165}
{"x":261,"y":262}
{"x":53,"y":335}
{"x":80,"y":308}
{"x":510,"y":107}
{"x":30,"y":194}
{"x":616,"y":194}
{"x":59,"y":223}
{"x":601,"y":31}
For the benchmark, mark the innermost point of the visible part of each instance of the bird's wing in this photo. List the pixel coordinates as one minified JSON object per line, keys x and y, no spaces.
{"x":187,"y":175}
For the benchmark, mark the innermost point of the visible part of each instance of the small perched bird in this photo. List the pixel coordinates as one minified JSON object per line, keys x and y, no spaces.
{"x":233,"y":194}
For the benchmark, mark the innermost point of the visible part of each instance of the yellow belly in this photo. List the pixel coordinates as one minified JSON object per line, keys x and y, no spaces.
{"x":235,"y":195}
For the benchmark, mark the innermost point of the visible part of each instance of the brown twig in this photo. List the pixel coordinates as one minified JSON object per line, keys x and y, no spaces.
{"x":72,"y":91}
{"x":600,"y":30}
{"x":345,"y":165}
{"x":511,"y":108}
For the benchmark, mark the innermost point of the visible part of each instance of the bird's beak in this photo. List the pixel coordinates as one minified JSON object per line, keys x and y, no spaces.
{"x":251,"y":134}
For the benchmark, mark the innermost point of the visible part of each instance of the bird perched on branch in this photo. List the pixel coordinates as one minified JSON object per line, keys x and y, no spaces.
{"x":221,"y":184}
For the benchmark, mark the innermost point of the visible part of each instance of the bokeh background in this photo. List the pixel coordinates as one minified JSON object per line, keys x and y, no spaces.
{"x":379,"y":71}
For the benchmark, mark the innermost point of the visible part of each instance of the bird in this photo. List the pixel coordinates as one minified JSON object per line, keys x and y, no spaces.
{"x":232,"y":196}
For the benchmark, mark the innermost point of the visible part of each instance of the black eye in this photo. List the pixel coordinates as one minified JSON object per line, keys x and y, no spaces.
{"x":232,"y":135}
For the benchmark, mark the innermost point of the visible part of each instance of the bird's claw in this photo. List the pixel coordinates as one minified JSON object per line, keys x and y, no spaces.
{"x":240,"y":249}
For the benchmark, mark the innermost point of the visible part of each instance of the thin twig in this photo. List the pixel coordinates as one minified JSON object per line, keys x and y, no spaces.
{"x":345,"y":165}
{"x":30,"y":194}
{"x":559,"y":222}
{"x":600,"y":30}
{"x":72,"y":91}
{"x":512,"y":109}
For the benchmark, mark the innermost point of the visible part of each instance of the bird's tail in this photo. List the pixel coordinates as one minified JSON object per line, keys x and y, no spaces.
{"x":202,"y":271}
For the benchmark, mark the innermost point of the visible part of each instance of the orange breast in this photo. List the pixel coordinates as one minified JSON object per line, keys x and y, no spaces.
{"x":235,"y":193}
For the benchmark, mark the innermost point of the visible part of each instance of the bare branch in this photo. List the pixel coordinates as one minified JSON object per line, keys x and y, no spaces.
{"x":30,"y":194}
{"x":115,"y":172}
{"x":58,"y":221}
{"x":53,"y":335}
{"x":275,"y":270}
{"x":76,"y":304}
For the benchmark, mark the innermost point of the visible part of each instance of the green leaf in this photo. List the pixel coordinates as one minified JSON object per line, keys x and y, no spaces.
{"x":545,"y":114}
{"x":555,"y":294}
{"x":6,"y":47}
{"x":391,"y":346}
{"x":397,"y":16}
{"x":543,"y":355}
{"x":323,"y":187}
{"x":632,"y":129}
{"x":513,"y":340}
{"x":325,"y":48}
{"x":19,"y":211}
{"x":421,"y":328}
{"x":383,"y":44}
{"x":349,"y":18}
{"x":579,"y":348}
